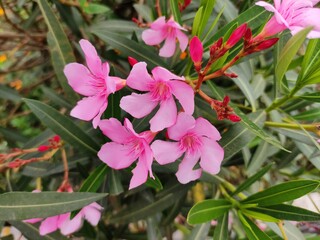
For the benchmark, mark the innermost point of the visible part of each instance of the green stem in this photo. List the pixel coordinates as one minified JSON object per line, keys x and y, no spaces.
{"x":282,"y":100}
{"x":309,"y":127}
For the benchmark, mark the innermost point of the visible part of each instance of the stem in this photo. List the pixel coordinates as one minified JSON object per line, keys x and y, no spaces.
{"x":227,"y":196}
{"x":282,"y":100}
{"x":283,"y":232}
{"x":158,"y":8}
{"x":229,"y":186}
{"x":65,"y":165}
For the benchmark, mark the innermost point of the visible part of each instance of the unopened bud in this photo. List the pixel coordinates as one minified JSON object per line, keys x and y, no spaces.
{"x":196,"y":51}
{"x":236,"y":36}
{"x":43,"y":148}
{"x":247,"y":35}
{"x":56,"y":138}
{"x":226,"y":100}
{"x":266,"y":44}
{"x":132,"y":61}
{"x":234,"y":118}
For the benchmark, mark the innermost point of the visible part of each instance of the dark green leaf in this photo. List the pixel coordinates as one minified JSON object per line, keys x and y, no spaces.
{"x":175,"y":11}
{"x":208,"y":210}
{"x":282,"y":192}
{"x":26,"y":205}
{"x":313,"y":97}
{"x":9,"y":94}
{"x":95,"y":8}
{"x":114,"y":182}
{"x":144,"y":11}
{"x":252,"y":179}
{"x":95,"y":179}
{"x":288,"y":212}
{"x":309,"y":115}
{"x":62,"y":126}
{"x":206,"y":13}
{"x":200,"y":231}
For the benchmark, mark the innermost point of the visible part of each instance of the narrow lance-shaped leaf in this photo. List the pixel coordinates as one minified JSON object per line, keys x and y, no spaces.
{"x":95,"y":179}
{"x":221,"y":230}
{"x":175,"y":11}
{"x":282,"y":192}
{"x":60,"y":48}
{"x":208,"y":210}
{"x":288,"y":212}
{"x":252,"y":179}
{"x":26,"y":205}
{"x":62,"y":126}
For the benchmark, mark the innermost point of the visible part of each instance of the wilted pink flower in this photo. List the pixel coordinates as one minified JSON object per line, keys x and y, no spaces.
{"x":196,"y":139}
{"x":294,"y":15}
{"x":160,"y":88}
{"x":93,"y":82}
{"x":236,"y":36}
{"x":169,"y":31}
{"x":127,"y":146}
{"x":196,"y":52}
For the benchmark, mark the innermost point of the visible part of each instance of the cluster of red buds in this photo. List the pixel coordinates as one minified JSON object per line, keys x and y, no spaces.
{"x":54,"y":143}
{"x":224,"y":111}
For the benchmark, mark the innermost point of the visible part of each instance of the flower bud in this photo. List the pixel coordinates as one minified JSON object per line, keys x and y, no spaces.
{"x":43,"y":148}
{"x":132,"y":61}
{"x":236,"y":36}
{"x":196,"y":52}
{"x":234,"y":118}
{"x":266,"y":44}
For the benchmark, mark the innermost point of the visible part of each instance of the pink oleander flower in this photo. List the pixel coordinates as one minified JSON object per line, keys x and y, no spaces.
{"x":169,"y":31}
{"x":160,"y":88}
{"x":196,"y":139}
{"x":126,"y":147}
{"x":93,"y":82}
{"x":67,"y":226}
{"x":294,"y":15}
{"x":196,"y":52}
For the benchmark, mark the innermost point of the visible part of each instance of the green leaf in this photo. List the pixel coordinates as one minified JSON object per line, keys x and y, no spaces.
{"x":114,"y":109}
{"x":130,"y":48}
{"x":60,"y":48}
{"x":26,"y":205}
{"x":144,"y":11}
{"x":62,"y":126}
{"x":245,"y":120}
{"x":175,"y":11}
{"x":95,"y":179}
{"x":206,"y":13}
{"x":200,"y":231}
{"x":154,"y":183}
{"x":114,"y":182}
{"x":221,"y":230}
{"x":309,"y":115}
{"x":313,"y":97}
{"x":252,"y":179}
{"x":208,"y":210}
{"x":115,"y":26}
{"x":140,"y":210}
{"x":196,"y":22}
{"x":258,"y":215}
{"x":259,"y":157}
{"x":282,"y":192}
{"x":288,"y":53}
{"x":9,"y":94}
{"x":253,"y":231}
{"x":30,"y":231}
{"x":288,"y":212}
{"x":311,"y":60}
{"x":55,"y":98}
{"x":95,"y":8}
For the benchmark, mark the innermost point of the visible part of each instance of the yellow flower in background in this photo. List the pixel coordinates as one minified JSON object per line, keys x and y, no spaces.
{"x":17,"y":84}
{"x":1,"y":12}
{"x":3,"y":57}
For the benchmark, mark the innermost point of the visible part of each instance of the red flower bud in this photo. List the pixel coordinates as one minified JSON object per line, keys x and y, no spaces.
{"x":248,"y":35}
{"x":266,"y":44}
{"x":196,"y":51}
{"x":226,"y":101}
{"x":236,"y":35}
{"x":234,"y":118}
{"x":56,"y":138}
{"x":132,"y":61}
{"x":43,"y":148}
{"x":15,"y":164}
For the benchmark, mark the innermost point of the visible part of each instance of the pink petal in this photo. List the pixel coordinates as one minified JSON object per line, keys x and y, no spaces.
{"x":62,"y":218}
{"x":160,"y":73}
{"x":48,"y":225}
{"x":87,"y":108}
{"x":114,"y":130}
{"x":310,"y":17}
{"x":140,"y":175}
{"x":183,"y":40}
{"x":33,"y":220}
{"x":211,"y":156}
{"x":92,"y":213}
{"x":138,"y":105}
{"x":205,"y":128}
{"x":117,"y":82}
{"x":169,"y":47}
{"x":92,"y":59}
{"x":185,"y":95}
{"x":116,"y":155}
{"x":165,"y":117}
{"x":153,"y":37}
{"x":185,"y":122}
{"x":73,"y":225}
{"x":96,"y":120}
{"x":129,"y":126}
{"x":185,"y":171}
{"x":80,"y":79}
{"x":166,"y":152}
{"x":159,"y":23}
{"x":139,"y":78}
{"x":147,"y":158}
